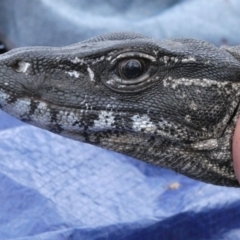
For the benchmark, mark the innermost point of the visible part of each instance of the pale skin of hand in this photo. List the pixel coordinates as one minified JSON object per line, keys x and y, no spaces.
{"x":236,"y":150}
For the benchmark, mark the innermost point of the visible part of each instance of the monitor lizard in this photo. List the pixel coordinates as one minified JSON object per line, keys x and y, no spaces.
{"x":172,"y":103}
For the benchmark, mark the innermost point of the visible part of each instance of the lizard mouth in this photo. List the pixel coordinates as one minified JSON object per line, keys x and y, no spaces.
{"x":64,"y":118}
{"x":74,"y":122}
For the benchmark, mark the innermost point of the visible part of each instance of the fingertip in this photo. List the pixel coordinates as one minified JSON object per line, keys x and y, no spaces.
{"x":236,"y":150}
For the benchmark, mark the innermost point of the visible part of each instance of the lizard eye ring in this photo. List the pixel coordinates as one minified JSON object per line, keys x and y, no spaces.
{"x":131,"y":72}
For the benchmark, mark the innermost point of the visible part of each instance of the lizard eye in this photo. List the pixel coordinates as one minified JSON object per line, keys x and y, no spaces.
{"x":131,"y":72}
{"x":131,"y":68}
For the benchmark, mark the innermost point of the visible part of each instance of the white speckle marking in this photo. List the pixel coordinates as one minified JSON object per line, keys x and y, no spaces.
{"x":73,"y":74}
{"x":109,"y":58}
{"x":193,"y":106}
{"x":77,"y":60}
{"x":189,"y":59}
{"x":110,"y":82}
{"x":67,"y":119}
{"x":42,"y":114}
{"x":165,"y":59}
{"x":188,"y":118}
{"x":143,"y":122}
{"x":174,"y":83}
{"x":3,"y":97}
{"x":205,"y":144}
{"x":91,"y":74}
{"x":19,"y":108}
{"x":106,"y":119}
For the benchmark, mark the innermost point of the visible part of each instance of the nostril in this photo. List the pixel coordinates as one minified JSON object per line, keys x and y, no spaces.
{"x":21,"y":66}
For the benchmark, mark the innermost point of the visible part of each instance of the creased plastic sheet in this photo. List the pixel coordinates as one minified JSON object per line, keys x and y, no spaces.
{"x":53,"y":188}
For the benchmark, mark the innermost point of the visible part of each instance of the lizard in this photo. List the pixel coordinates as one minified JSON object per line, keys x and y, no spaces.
{"x":173,"y":103}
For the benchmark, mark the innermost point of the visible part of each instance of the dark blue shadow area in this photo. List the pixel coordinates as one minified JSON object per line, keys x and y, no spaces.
{"x":187,"y":225}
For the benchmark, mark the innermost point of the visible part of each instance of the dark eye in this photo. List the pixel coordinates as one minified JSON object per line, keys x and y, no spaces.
{"x":131,"y":68}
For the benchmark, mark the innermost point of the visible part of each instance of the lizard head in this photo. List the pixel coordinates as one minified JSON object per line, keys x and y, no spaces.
{"x":173,"y":103}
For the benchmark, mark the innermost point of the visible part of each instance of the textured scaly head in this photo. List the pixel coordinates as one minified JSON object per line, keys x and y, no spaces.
{"x":172,"y":103}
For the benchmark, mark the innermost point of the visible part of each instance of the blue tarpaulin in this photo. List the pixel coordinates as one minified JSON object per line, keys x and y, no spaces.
{"x":53,"y":188}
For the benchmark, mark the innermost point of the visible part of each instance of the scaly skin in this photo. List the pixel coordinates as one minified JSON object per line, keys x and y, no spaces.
{"x":179,"y":111}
